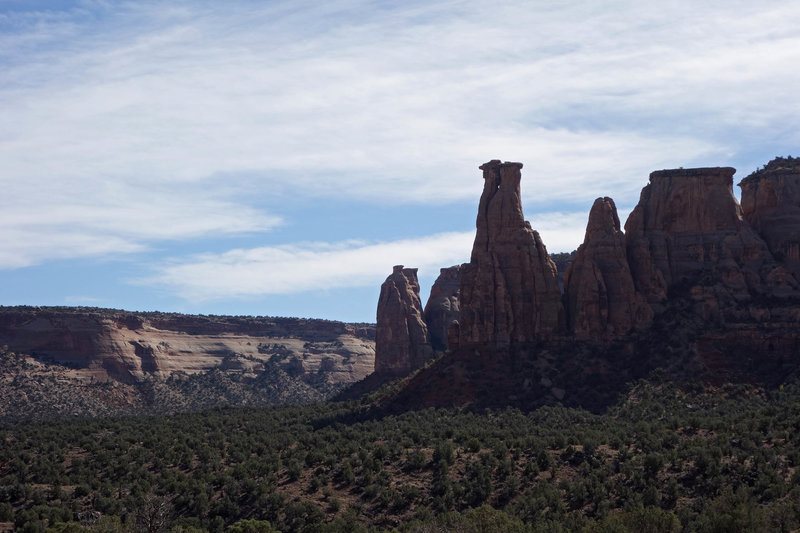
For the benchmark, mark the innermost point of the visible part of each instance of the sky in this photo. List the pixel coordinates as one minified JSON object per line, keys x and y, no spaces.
{"x":279,"y":157}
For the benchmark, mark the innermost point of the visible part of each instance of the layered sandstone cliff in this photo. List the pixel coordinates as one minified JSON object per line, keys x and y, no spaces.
{"x":771,"y":204}
{"x":402,"y":342}
{"x":686,"y":223}
{"x":509,"y":289}
{"x":99,"y":344}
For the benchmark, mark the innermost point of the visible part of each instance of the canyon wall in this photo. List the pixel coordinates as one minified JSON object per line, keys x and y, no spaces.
{"x":99,"y":344}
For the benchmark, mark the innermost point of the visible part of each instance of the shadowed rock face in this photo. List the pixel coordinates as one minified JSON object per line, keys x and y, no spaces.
{"x":771,"y":204}
{"x":443,"y":305}
{"x":689,"y":227}
{"x":402,"y":342}
{"x":509,"y":289}
{"x":601,"y":299}
{"x":691,"y":288}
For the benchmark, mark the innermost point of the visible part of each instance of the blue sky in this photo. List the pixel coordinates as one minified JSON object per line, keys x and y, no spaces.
{"x":277,"y":158}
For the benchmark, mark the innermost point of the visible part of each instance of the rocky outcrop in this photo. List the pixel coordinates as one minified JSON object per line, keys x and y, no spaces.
{"x":443,"y":306}
{"x":601,"y":300}
{"x":402,"y":342}
{"x":771,"y":204}
{"x":689,"y":230}
{"x":105,"y":344}
{"x":509,"y":289}
{"x":690,"y":288}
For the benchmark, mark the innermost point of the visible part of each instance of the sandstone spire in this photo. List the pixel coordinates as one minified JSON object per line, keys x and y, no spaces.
{"x":601,"y":300}
{"x":509,"y":290}
{"x":402,"y":343}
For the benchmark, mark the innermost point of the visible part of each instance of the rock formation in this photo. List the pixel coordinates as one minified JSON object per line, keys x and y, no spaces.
{"x":601,"y":299}
{"x":402,"y":342}
{"x":771,"y":204}
{"x":562,"y":261}
{"x":103,"y":344}
{"x":691,"y":287}
{"x":509,"y":289}
{"x":688,"y":229}
{"x":443,"y":306}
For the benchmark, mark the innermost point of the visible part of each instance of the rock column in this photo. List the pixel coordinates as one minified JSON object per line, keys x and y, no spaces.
{"x":402,"y":342}
{"x":509,"y":289}
{"x":601,"y":299}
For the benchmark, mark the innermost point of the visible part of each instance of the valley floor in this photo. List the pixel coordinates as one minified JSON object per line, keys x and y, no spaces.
{"x":663,"y":459}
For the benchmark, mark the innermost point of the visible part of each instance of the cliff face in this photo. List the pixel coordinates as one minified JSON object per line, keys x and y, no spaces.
{"x":402,"y":342}
{"x":771,"y":204}
{"x":689,"y":225}
{"x":129,"y":347}
{"x":509,"y":289}
{"x":601,"y":299}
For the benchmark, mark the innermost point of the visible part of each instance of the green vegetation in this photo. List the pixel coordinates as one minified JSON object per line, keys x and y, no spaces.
{"x":663,"y":460}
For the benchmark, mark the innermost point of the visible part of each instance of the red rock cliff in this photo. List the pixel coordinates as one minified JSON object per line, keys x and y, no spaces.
{"x":691,"y":288}
{"x":689,"y":228}
{"x":771,"y":204}
{"x":509,"y":289}
{"x":402,"y":342}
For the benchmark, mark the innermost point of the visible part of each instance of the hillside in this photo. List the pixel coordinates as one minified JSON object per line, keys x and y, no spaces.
{"x":663,"y":459}
{"x":87,"y":361}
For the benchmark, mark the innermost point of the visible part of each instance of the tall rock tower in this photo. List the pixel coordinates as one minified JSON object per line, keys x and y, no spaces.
{"x":509,"y":289}
{"x":601,"y":300}
{"x":443,"y":305}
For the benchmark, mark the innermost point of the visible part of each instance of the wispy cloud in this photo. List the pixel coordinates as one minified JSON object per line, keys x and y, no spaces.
{"x":305,"y":267}
{"x":319,"y":266}
{"x":59,"y":223}
{"x":366,"y":100}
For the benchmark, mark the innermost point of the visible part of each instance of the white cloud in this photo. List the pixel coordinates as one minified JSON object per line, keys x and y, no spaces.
{"x":561,"y":232}
{"x":65,"y":224}
{"x":319,"y":266}
{"x":306,"y":266}
{"x":356,"y":99}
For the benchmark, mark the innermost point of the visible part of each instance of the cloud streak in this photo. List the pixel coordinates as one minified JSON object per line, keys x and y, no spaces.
{"x":411,"y":96}
{"x":320,"y":266}
{"x":297,"y":268}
